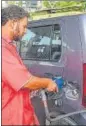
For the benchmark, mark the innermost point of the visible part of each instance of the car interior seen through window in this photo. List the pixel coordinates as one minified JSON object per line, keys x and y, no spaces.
{"x":42,"y":43}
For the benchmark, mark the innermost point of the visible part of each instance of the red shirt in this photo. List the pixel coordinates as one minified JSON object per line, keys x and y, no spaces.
{"x":16,"y":104}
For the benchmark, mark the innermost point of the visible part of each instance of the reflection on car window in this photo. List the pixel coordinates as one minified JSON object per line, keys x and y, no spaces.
{"x":41,"y":43}
{"x":56,"y":43}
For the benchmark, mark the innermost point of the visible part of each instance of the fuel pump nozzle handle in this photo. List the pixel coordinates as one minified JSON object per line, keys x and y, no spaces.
{"x":44,"y":100}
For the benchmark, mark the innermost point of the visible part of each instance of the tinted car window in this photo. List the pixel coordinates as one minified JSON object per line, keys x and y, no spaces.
{"x":56,"y":43}
{"x":41,"y":43}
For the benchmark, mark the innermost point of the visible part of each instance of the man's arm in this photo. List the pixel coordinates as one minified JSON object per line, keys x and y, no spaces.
{"x":38,"y":83}
{"x":17,"y":76}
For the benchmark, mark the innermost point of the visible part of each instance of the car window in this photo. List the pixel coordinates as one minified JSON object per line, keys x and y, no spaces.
{"x":56,"y":43}
{"x":41,"y":43}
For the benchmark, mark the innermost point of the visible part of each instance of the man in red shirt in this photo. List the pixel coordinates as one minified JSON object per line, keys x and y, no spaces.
{"x":17,"y":81}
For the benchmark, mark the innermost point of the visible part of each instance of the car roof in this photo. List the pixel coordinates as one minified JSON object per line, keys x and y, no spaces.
{"x":48,"y":21}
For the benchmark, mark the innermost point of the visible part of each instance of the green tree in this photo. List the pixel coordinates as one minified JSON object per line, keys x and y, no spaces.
{"x":20,"y":3}
{"x":64,"y":4}
{"x":49,"y":3}
{"x":11,"y":2}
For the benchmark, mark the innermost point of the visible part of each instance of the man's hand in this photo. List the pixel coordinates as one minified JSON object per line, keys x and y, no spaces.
{"x":39,"y":83}
{"x":52,"y":86}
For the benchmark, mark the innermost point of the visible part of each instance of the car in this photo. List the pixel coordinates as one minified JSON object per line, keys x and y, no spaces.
{"x":57,"y":46}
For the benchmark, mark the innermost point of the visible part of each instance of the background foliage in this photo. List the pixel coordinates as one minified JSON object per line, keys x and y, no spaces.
{"x":52,"y":8}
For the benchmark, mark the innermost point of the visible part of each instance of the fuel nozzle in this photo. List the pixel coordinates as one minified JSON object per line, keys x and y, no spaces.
{"x":59,"y":81}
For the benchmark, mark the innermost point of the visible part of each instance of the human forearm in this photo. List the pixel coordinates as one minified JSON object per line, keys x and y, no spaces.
{"x":37,"y":83}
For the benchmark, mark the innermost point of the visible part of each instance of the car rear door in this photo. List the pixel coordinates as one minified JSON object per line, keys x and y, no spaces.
{"x":43,"y":48}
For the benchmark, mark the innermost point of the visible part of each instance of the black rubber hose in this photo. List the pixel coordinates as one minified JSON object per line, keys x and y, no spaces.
{"x":66,"y":115}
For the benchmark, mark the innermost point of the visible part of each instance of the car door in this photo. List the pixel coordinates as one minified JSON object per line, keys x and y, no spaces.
{"x":43,"y":49}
